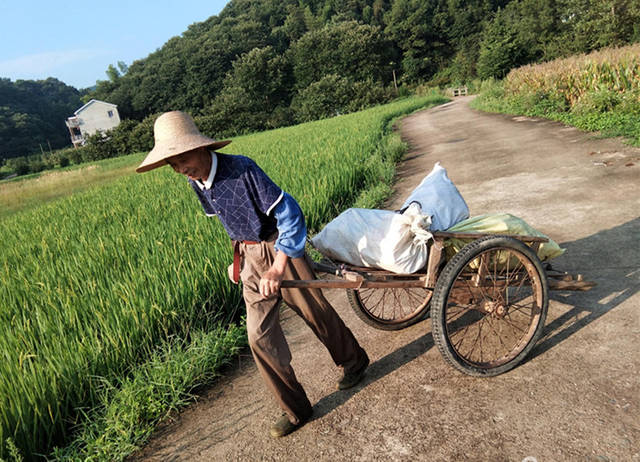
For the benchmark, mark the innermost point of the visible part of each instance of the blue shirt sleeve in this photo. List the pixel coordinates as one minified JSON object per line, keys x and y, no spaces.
{"x":292,"y":231}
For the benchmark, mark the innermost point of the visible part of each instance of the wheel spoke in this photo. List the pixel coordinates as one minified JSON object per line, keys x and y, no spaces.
{"x":513,"y":325}
{"x":374,"y":306}
{"x":366,"y":291}
{"x":515,"y":272}
{"x":498,"y":336}
{"x":451,"y":315}
{"x":396,"y":303}
{"x":519,"y":308}
{"x":383,"y":304}
{"x":414,"y":297}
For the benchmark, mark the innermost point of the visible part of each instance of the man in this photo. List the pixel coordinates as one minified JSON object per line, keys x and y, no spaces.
{"x":269,"y":232}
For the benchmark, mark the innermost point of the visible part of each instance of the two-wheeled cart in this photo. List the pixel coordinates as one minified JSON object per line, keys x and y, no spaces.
{"x":487,"y":303}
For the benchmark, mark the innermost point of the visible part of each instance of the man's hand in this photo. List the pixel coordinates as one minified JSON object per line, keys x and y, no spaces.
{"x":270,"y":281}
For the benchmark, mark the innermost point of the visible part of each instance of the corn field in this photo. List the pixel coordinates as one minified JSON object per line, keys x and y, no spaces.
{"x":613,"y":69}
{"x":92,"y":283}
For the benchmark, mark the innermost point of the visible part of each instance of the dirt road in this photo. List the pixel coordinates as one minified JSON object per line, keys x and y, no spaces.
{"x":578,"y":395}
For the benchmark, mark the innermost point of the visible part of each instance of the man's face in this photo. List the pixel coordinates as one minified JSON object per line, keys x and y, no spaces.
{"x":195,"y":164}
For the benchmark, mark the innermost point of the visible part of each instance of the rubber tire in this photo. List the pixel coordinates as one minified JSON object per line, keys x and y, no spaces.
{"x":446,"y":280}
{"x":364,"y":315}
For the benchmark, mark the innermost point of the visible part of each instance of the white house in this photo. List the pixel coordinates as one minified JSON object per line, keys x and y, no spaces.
{"x":93,"y":116}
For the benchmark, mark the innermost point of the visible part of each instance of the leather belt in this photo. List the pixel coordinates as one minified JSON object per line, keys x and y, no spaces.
{"x":236,"y":258}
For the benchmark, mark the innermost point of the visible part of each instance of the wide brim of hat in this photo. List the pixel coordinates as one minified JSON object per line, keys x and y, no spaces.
{"x":158,"y":156}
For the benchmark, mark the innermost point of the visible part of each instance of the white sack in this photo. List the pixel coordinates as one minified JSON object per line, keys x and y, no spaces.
{"x":439,"y":198}
{"x":377,"y":238}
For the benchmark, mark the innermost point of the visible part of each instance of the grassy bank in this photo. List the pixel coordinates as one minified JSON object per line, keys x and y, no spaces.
{"x":33,"y":190}
{"x":596,"y":92}
{"x":96,"y":283}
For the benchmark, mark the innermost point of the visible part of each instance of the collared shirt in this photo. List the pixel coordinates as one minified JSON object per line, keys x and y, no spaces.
{"x":250,"y":205}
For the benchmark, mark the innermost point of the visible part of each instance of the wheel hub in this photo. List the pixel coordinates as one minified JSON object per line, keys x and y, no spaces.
{"x":495,"y":308}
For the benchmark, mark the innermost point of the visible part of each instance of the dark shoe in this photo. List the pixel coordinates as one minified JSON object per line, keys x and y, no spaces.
{"x":283,"y":426}
{"x":353,"y":377}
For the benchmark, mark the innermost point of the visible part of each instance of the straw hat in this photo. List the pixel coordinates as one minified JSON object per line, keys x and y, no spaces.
{"x":175,"y":133}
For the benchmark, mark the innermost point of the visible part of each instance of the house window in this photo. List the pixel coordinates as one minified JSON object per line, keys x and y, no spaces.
{"x":110,"y":113}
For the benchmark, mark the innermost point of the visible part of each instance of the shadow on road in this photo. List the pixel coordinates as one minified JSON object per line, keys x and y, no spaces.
{"x":611,"y":258}
{"x":376,"y":371}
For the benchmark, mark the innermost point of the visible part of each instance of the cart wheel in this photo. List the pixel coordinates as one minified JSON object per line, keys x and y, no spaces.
{"x":390,"y":308}
{"x":489,"y":306}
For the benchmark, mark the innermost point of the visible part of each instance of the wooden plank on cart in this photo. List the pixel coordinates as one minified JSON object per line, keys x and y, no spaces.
{"x":447,"y":235}
{"x":346,"y":284}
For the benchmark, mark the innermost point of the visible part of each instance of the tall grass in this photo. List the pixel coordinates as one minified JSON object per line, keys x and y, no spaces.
{"x":91,"y":284}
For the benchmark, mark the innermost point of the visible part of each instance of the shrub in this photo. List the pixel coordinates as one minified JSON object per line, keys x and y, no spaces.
{"x":630,"y":103}
{"x":76,"y":155}
{"x":325,"y":98}
{"x":334,"y":95}
{"x":113,"y":143}
{"x":19,"y":165}
{"x":63,"y":157}
{"x":281,"y":116}
{"x":492,"y":88}
{"x":141,"y":136}
{"x":602,"y":100}
{"x":36,"y":165}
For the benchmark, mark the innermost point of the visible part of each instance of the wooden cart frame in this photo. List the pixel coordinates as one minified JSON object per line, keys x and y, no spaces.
{"x":488,"y":302}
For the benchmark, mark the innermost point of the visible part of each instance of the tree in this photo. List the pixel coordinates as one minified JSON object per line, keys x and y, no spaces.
{"x":524,"y":31}
{"x":593,"y":24}
{"x":349,"y":49}
{"x":32,"y":113}
{"x":258,"y":84}
{"x":415,"y":26}
{"x":115,"y":74}
{"x":334,"y":95}
{"x":501,"y":49}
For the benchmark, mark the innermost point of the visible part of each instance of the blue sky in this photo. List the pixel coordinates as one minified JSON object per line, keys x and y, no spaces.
{"x":76,"y":41}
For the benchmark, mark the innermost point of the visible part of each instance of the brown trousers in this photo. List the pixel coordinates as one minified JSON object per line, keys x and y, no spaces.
{"x":266,"y":338}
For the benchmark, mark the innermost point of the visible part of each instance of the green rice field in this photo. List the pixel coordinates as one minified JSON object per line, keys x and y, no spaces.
{"x":95,"y":280}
